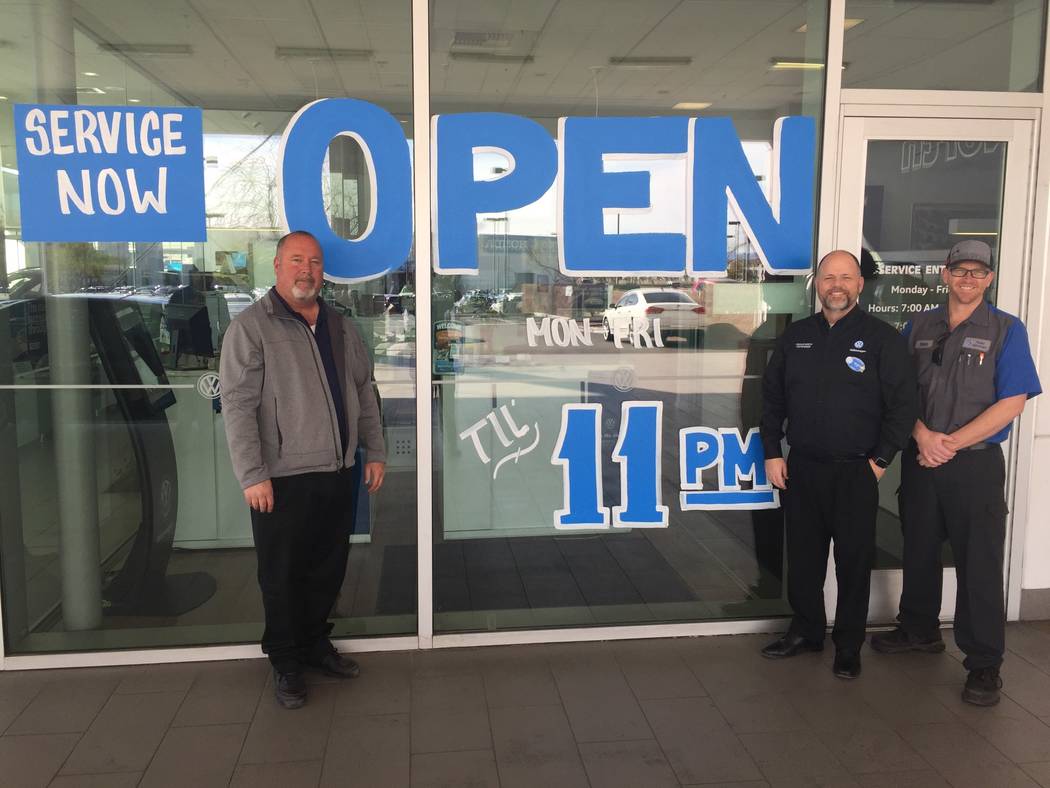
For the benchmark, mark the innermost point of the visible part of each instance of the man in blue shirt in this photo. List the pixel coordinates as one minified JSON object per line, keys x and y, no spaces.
{"x":975,"y":373}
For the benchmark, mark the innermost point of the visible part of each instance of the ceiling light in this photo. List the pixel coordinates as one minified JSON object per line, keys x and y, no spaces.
{"x":778,"y":64}
{"x":692,"y":105}
{"x":490,"y":57}
{"x":849,"y":24}
{"x":658,"y":61}
{"x":92,"y":90}
{"x":134,"y":101}
{"x":89,"y":73}
{"x":973,"y":226}
{"x":321,"y":53}
{"x":158,"y":50}
{"x":3,"y":98}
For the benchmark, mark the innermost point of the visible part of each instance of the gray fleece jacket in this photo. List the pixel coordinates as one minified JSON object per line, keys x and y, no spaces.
{"x":276,"y":403}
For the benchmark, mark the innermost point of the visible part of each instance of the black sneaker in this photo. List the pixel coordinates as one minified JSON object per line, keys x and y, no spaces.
{"x":338,"y":665}
{"x":982,"y":687}
{"x":289,"y":689}
{"x":898,"y":641}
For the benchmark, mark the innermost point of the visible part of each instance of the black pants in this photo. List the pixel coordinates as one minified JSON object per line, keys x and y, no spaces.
{"x":962,"y":501}
{"x":825,"y":502}
{"x":302,"y":548}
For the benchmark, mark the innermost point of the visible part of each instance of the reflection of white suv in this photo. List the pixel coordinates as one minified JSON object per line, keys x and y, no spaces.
{"x":677,"y":312}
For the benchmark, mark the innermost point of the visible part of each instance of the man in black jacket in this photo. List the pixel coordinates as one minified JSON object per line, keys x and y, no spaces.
{"x":843,"y":382}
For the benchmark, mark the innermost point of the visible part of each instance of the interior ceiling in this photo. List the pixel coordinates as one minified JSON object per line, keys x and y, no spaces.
{"x":537,"y":57}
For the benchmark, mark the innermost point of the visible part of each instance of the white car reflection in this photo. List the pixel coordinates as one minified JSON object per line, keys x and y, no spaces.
{"x":637,"y":309}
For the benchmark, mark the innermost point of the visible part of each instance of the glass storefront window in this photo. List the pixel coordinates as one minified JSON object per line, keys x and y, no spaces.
{"x":520,"y":342}
{"x":919,"y":45}
{"x":122,"y":524}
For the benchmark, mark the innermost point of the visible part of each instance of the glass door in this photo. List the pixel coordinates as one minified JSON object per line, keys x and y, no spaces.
{"x":910,"y":188}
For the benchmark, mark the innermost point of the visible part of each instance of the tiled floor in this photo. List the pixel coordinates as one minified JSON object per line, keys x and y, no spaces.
{"x":638,"y":714}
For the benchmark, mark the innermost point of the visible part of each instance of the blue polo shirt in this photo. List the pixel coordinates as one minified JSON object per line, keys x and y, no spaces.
{"x":986,"y":358}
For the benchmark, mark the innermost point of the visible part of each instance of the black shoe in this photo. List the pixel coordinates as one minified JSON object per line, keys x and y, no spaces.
{"x":982,"y":687}
{"x":789,"y":646}
{"x":847,"y":664}
{"x":338,"y":665}
{"x":899,"y":640}
{"x":289,"y":689}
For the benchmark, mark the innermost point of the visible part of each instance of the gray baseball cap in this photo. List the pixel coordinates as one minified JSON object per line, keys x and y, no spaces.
{"x":970,"y":251}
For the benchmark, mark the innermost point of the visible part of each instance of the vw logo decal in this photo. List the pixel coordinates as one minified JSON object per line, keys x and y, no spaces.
{"x":208,"y":386}
{"x":623,"y":379}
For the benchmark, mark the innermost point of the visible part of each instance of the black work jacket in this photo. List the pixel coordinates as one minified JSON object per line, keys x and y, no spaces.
{"x":847,"y":391}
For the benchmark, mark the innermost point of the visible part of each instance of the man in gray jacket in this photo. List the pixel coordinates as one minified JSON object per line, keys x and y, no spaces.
{"x":297,"y":399}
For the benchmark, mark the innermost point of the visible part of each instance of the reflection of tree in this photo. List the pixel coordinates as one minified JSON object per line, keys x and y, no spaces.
{"x":245,"y":195}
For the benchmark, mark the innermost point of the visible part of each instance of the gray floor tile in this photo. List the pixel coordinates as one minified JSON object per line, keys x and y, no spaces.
{"x":159,"y":678}
{"x":112,"y":780}
{"x":64,"y":706}
{"x":202,"y":756}
{"x":520,"y":682}
{"x":792,"y":755}
{"x":125,"y":734}
{"x":1040,"y":772}
{"x":627,"y":765}
{"x":926,"y":669}
{"x":867,"y":750}
{"x":299,"y":774}
{"x":535,"y":747}
{"x":475,"y":769}
{"x":761,"y":713}
{"x":1021,"y":740}
{"x":277,"y":735}
{"x":17,"y":690}
{"x":904,"y":703}
{"x":1029,"y":642}
{"x":224,"y":693}
{"x":656,"y":671}
{"x":926,"y":778}
{"x":444,"y":662}
{"x":841,"y":708}
{"x":598,"y":701}
{"x":698,"y":742}
{"x":34,"y":759}
{"x":963,"y":756}
{"x":1027,"y":685}
{"x":448,"y":693}
{"x":439,"y":730}
{"x":368,"y":751}
{"x":381,"y":689}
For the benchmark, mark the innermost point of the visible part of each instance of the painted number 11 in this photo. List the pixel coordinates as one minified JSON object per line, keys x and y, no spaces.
{"x":637,"y":452}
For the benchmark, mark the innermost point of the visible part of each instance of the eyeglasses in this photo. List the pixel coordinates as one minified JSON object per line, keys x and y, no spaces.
{"x":938,"y":350}
{"x":976,"y":273}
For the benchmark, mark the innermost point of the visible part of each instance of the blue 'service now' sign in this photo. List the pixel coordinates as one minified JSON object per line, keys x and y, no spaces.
{"x":110,"y":173}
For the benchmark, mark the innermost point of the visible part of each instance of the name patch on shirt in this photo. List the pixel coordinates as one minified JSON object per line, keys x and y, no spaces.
{"x":923,"y":344}
{"x":854,"y":363}
{"x":976,"y":343}
{"x":804,"y":345}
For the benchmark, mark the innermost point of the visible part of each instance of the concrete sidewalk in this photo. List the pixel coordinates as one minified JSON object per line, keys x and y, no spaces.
{"x":639,"y":714}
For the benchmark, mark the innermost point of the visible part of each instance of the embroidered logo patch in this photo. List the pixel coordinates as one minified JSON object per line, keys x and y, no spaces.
{"x":854,"y":363}
{"x":804,"y":345}
{"x":859,"y":343}
{"x":923,"y":344}
{"x":976,"y":343}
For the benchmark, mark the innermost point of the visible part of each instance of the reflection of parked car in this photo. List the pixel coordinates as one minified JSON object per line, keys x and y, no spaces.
{"x":677,"y":312}
{"x":475,"y":302}
{"x":507,"y":304}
